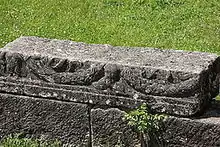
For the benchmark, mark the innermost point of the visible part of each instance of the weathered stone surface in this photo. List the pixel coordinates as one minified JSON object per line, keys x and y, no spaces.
{"x":45,"y":119}
{"x":203,"y":131}
{"x":66,"y":93}
{"x":109,"y":129}
{"x":174,"y":82}
{"x":181,"y":132}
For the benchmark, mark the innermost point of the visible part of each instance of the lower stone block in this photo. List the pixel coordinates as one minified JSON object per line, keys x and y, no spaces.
{"x":45,"y":119}
{"x":181,"y":132}
{"x":109,"y":129}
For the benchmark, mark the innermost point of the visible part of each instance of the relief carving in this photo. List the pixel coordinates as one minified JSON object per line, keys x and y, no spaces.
{"x":108,"y":78}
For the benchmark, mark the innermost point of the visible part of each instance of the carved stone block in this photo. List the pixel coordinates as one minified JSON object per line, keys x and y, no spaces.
{"x":174,"y":82}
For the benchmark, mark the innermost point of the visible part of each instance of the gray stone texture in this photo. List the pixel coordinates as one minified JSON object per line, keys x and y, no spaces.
{"x":45,"y":119}
{"x":202,"y":131}
{"x":174,"y":82}
{"x":109,"y":129}
{"x":59,"y":89}
{"x":65,"y":93}
{"x":179,"y":132}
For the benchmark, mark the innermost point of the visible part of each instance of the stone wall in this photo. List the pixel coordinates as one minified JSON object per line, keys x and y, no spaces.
{"x":72,"y":123}
{"x":78,"y":93}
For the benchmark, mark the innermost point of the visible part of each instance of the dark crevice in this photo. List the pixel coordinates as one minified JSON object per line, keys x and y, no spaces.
{"x":99,"y":74}
{"x":90,"y":126}
{"x":1,"y":111}
{"x":61,"y":66}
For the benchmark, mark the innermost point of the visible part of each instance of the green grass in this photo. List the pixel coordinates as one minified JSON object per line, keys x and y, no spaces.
{"x":17,"y":141}
{"x":179,"y":24}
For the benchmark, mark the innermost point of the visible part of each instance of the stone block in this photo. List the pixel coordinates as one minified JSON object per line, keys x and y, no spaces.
{"x":185,"y":132}
{"x":44,"y":119}
{"x":109,"y":129}
{"x":169,"y":81}
{"x":202,"y":131}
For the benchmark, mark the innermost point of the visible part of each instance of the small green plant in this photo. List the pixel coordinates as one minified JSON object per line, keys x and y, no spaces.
{"x":144,"y":122}
{"x":18,"y":141}
{"x":218,"y":98}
